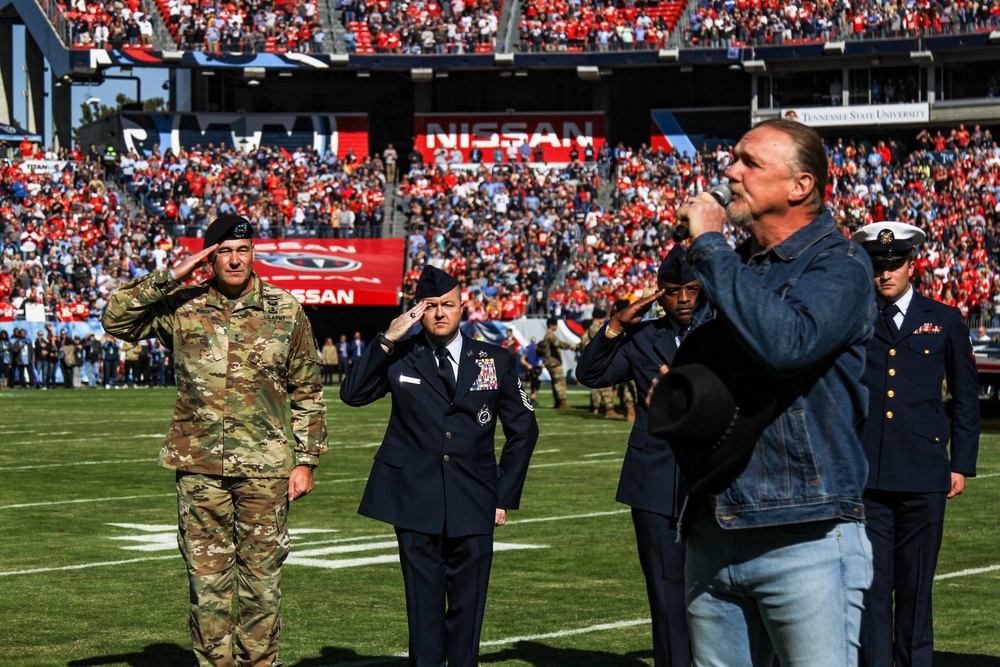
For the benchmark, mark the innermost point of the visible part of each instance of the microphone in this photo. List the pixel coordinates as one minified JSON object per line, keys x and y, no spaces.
{"x":722,"y":194}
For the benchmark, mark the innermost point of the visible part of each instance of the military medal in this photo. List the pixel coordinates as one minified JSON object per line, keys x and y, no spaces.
{"x":487,"y":378}
{"x":485,"y":416}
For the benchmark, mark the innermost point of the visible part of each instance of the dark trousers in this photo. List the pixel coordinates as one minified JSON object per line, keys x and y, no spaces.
{"x":110,"y":371}
{"x":662,"y":559}
{"x":445,"y":580}
{"x":905,"y":530}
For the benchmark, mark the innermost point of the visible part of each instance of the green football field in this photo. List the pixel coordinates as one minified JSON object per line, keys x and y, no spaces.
{"x":90,"y":573}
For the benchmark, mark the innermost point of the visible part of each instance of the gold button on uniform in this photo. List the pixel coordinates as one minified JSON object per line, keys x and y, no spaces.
{"x":888,"y":415}
{"x":927,"y":351}
{"x":892,"y":353}
{"x":892,"y":372}
{"x":891,"y":393}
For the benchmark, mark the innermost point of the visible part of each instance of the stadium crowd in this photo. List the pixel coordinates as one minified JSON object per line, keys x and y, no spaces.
{"x":522,"y":237}
{"x":458,"y":26}
{"x":612,"y":26}
{"x":723,"y":23}
{"x":198,"y":26}
{"x":508,"y":231}
{"x":414,"y":27}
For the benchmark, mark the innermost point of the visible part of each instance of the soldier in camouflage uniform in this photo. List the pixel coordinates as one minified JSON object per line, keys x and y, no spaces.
{"x":552,"y":353}
{"x":602,"y":400}
{"x":242,"y":348}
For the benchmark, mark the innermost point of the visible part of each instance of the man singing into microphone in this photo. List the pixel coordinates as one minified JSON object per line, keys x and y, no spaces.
{"x":778,"y":560}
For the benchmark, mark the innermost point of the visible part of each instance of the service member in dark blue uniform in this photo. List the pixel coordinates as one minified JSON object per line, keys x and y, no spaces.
{"x":629,"y":349}
{"x":918,"y":344}
{"x":435,"y":476}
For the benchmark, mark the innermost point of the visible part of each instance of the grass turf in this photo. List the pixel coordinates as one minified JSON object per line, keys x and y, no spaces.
{"x":78,"y":590}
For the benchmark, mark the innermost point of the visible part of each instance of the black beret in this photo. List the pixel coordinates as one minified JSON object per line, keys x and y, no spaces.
{"x":675,"y":268}
{"x":433,"y":283}
{"x":227,"y":227}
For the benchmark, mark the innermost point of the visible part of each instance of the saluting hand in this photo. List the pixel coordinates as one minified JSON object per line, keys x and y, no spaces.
{"x":633,"y":314}
{"x":187,"y":266}
{"x":399,"y":327}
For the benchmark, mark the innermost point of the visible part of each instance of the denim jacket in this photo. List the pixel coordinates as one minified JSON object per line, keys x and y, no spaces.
{"x":805,"y":309}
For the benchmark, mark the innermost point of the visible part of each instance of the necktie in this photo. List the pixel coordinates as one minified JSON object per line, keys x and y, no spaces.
{"x":444,"y":371}
{"x":889,"y":317}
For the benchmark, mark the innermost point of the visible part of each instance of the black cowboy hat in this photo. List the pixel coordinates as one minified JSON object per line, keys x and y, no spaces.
{"x":712,"y":407}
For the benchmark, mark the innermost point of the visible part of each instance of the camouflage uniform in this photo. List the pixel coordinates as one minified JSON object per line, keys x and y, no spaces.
{"x":552,"y":353}
{"x":237,"y":362}
{"x":603,"y":399}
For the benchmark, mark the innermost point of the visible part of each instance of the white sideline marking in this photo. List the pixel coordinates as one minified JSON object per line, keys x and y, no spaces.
{"x":83,"y":500}
{"x":567,"y":517}
{"x":92,"y":438}
{"x":376,"y":560}
{"x":78,"y":463}
{"x":992,"y":474}
{"x":965,"y":573}
{"x":572,"y":463}
{"x":587,"y":456}
{"x":84,"y":566}
{"x":332,"y":481}
{"x":546,"y":451}
{"x":341,"y":540}
{"x":163,"y":537}
{"x":600,"y":627}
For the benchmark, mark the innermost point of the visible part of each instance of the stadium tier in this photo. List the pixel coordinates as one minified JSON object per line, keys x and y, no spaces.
{"x":523,"y":237}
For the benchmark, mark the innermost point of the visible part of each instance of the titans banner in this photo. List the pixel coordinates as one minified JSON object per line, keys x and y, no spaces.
{"x":245,"y":132}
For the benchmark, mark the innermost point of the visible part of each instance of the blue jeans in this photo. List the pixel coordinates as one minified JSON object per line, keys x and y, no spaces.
{"x":794,"y":591}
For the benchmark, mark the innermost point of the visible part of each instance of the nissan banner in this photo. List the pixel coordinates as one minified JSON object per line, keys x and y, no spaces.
{"x":329,"y":272}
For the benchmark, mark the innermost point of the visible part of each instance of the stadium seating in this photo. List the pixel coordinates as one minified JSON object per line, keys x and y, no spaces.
{"x":509,"y":231}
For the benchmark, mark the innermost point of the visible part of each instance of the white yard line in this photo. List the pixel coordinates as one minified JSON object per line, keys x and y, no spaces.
{"x":600,"y":627}
{"x":966,"y":573}
{"x":83,"y":566}
{"x":568,"y":517}
{"x":82,"y":500}
{"x":77,"y":463}
{"x":572,"y":463}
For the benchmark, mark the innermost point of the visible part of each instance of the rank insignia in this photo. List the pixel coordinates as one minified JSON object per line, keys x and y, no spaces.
{"x":484,"y":417}
{"x":487,"y":378}
{"x":483,"y":354}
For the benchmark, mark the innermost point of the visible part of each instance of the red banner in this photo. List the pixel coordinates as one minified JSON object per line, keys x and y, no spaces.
{"x":556,"y":133}
{"x":329,"y":272}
